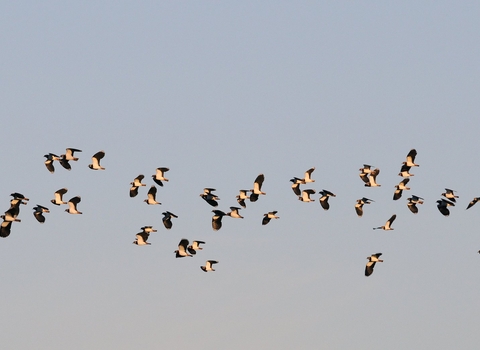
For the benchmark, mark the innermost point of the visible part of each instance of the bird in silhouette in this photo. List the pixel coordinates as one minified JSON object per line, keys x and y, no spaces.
{"x":450,"y":194}
{"x":305,"y":197}
{"x":167,"y":219}
{"x":472,"y":202}
{"x":372,"y":179}
{"x":49,"y":161}
{"x":209,"y":197}
{"x":411,"y":158}
{"x":412,"y":203}
{"x":233,"y":213}
{"x":69,"y":154}
{"x":400,"y":188}
{"x":324,"y":199}
{"x":38,"y":213}
{"x":269,"y":216}
{"x":442,"y":206}
{"x":217,"y":219}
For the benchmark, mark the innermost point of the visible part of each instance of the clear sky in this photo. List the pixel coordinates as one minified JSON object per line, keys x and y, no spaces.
{"x":220,"y":92}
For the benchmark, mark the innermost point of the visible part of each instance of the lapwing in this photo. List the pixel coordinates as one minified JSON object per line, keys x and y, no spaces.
{"x":241,"y":198}
{"x":372,"y":260}
{"x":141,"y":238}
{"x":209,"y":265}
{"x":136,"y":183}
{"x":151,"y":195}
{"x":296,"y":185}
{"x":49,"y":161}
{"x":209,"y":197}
{"x":182,"y":252}
{"x":405,"y":171}
{"x":412,"y":203}
{"x":442,"y":205}
{"x":308,"y":175}
{"x":305,"y":197}
{"x":372,"y":179}
{"x":72,"y":205}
{"x":450,"y":194}
{"x":217,"y":219}
{"x":69,"y":154}
{"x":38,"y":213}
{"x":472,"y":202}
{"x":257,"y":188}
{"x":160,"y":176}
{"x":233,"y":213}
{"x":268,"y":216}
{"x":400,"y":188}
{"x":388,"y":224}
{"x":11,"y":215}
{"x":64,"y":162}
{"x":192,"y":248}
{"x":360,"y":203}
{"x":96,"y":161}
{"x":58,"y":196}
{"x":324,"y":198}
{"x":411,"y":158}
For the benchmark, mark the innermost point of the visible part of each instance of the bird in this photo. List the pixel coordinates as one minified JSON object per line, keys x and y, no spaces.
{"x":49,"y":161}
{"x":69,"y":154}
{"x":305,"y":197}
{"x":58,"y":196}
{"x":152,"y":193}
{"x":192,"y":248}
{"x":388,"y":224}
{"x":217,"y":219}
{"x":20,"y":196}
{"x":296,"y":185}
{"x":136,"y":183}
{"x":400,"y":188}
{"x":167,"y":219}
{"x":5,"y":228}
{"x":72,"y":205}
{"x":148,"y":229}
{"x":268,"y":216}
{"x":96,"y":161}
{"x":141,"y":238}
{"x":160,"y":176}
{"x":364,"y":172}
{"x":65,"y":162}
{"x":182,"y":252}
{"x":208,"y":265}
{"x":450,"y":194}
{"x":404,"y":171}
{"x":241,"y":198}
{"x":257,"y":188}
{"x":233,"y":213}
{"x":360,"y":203}
{"x":209,"y":197}
{"x":443,"y":204}
{"x":412,"y":203}
{"x":411,"y":158}
{"x":372,"y":179}
{"x":308,"y":175}
{"x":372,"y":260}
{"x":472,"y":202}
{"x":10,"y":215}
{"x":38,"y":213}
{"x":324,"y":199}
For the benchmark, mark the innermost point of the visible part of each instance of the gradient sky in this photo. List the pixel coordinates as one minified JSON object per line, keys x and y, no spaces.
{"x":220,"y":92}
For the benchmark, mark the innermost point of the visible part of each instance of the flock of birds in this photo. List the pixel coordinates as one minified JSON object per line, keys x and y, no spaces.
{"x":368,"y":174}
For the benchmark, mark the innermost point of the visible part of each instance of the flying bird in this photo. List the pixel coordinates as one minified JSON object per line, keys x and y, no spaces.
{"x":38,"y":213}
{"x":209,"y":197}
{"x":233,"y":213}
{"x":372,"y":179}
{"x":96,"y":161}
{"x":324,"y":199}
{"x":268,"y":216}
{"x":152,"y":193}
{"x":142,"y":237}
{"x":400,"y":188}
{"x":167,"y":219}
{"x":296,"y":185}
{"x":443,"y":204}
{"x":241,"y":198}
{"x":49,"y":161}
{"x":372,"y":260}
{"x":411,"y":158}
{"x":192,"y":248}
{"x":364,"y":172}
{"x":208,"y":265}
{"x":72,"y":205}
{"x":472,"y":202}
{"x":11,"y":215}
{"x":257,"y":188}
{"x":388,"y":224}
{"x":65,"y":162}
{"x":182,"y":252}
{"x":69,"y":154}
{"x":359,"y":205}
{"x":308,"y":175}
{"x":136,"y":183}
{"x":450,"y":194}
{"x":405,"y":171}
{"x":5,"y":228}
{"x":217,"y":219}
{"x":306,"y":195}
{"x":160,"y":176}
{"x":412,"y":203}
{"x":58,"y":196}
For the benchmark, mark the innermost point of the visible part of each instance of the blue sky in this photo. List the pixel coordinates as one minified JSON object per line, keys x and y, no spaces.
{"x":220,"y":92}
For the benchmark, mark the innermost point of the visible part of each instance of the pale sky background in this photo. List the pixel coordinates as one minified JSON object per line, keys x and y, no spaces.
{"x":220,"y":92}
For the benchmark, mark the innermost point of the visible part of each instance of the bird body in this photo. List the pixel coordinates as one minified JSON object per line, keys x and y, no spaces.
{"x":306,"y":195}
{"x":242,"y":197}
{"x":388,"y":224}
{"x":217,"y":219}
{"x":473,"y":202}
{"x":257,"y":188}
{"x":58,"y":196}
{"x":372,"y":178}
{"x":359,"y":205}
{"x":96,"y":161}
{"x":442,"y":206}
{"x":160,"y":176}
{"x":69,"y":154}
{"x":268,"y":216}
{"x":151,"y":196}
{"x":233,"y":213}
{"x":72,"y":205}
{"x":372,"y":260}
{"x":192,"y":248}
{"x":167,"y":219}
{"x":324,"y":199}
{"x":450,"y":194}
{"x":182,"y":252}
{"x":38,"y":213}
{"x":209,"y":197}
{"x":411,"y":158}
{"x":208,"y":265}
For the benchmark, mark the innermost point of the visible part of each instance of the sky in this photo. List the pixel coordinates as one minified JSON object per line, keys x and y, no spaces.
{"x":220,"y":92}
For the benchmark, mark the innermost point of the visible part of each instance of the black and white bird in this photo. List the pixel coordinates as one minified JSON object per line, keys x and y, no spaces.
{"x":269,"y":216}
{"x":388,"y":224}
{"x":450,"y":194}
{"x":412,"y":203}
{"x":209,"y":265}
{"x":473,"y":202}
{"x":182,"y":252}
{"x":19,"y":196}
{"x":142,"y":237}
{"x":96,"y":161}
{"x":69,"y":154}
{"x":364,"y":172}
{"x":135,"y":184}
{"x":58,"y":196}
{"x":359,"y":205}
{"x":233,"y":213}
{"x":72,"y":205}
{"x":11,"y":215}
{"x":305,"y":197}
{"x":372,"y":260}
{"x":372,"y":178}
{"x":242,"y":197}
{"x":411,"y":158}
{"x":148,"y":229}
{"x":167,"y":219}
{"x":405,"y":171}
{"x":160,"y":176}
{"x":192,"y":248}
{"x":400,"y":188}
{"x":442,"y":206}
{"x":209,"y":197}
{"x":296,"y":182}
{"x":49,"y":161}
{"x":308,"y":176}
{"x":324,"y":198}
{"x":38,"y":213}
{"x":217,"y":219}
{"x":151,"y":196}
{"x":64,"y":162}
{"x":5,"y":228}
{"x":257,"y":188}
